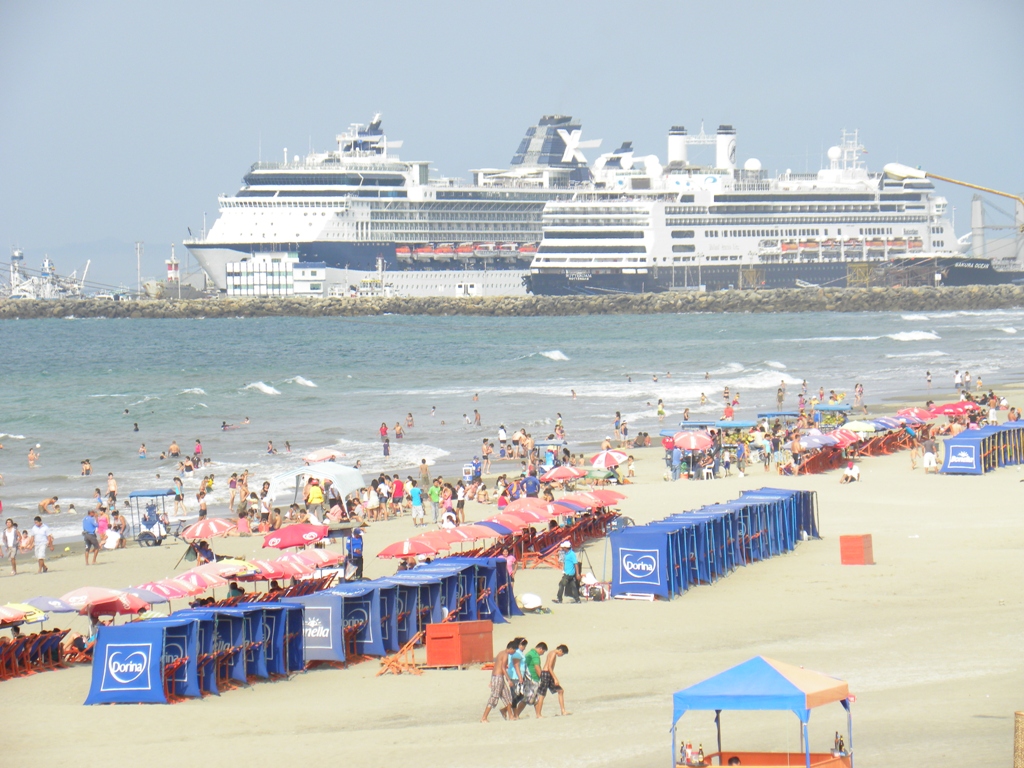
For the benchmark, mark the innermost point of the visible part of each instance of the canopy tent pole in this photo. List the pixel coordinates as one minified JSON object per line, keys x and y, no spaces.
{"x":673,"y":763}
{"x":849,"y":730}
{"x":807,"y":744}
{"x":718,"y":727}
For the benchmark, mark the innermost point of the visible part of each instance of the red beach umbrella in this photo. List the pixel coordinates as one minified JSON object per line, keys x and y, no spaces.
{"x":10,"y":615}
{"x":320,"y":557}
{"x":295,"y":536}
{"x":207,"y":529}
{"x":917,"y":413}
{"x":270,"y":569}
{"x":407,"y":548}
{"x":200,"y":581}
{"x":433,"y":539}
{"x":188,"y":589}
{"x":167,"y":589}
{"x":607,"y":496}
{"x":292,"y":560}
{"x":608,"y":459}
{"x":692,"y":441}
{"x":563,"y":473}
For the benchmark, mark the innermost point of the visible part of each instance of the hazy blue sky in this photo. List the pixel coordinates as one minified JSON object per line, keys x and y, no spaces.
{"x":122,"y":121}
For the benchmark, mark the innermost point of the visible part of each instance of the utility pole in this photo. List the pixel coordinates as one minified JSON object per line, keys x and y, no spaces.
{"x":138,"y":268}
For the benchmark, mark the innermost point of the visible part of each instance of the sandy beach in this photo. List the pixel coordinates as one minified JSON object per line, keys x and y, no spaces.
{"x":928,"y":639}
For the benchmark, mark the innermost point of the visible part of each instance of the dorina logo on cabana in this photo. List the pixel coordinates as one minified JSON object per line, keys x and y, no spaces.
{"x":126,"y":667}
{"x":639,"y":563}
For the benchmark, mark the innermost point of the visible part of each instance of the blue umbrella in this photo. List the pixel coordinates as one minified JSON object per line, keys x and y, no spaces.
{"x":887,"y":422}
{"x":52,"y":604}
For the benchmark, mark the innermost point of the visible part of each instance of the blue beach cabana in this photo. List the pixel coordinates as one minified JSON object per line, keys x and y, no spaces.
{"x":765,"y":684}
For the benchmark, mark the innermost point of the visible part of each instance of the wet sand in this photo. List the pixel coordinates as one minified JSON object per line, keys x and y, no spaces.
{"x":929,"y":640}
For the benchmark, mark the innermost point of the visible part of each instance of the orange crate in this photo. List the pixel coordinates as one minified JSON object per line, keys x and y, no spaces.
{"x":856,"y":550}
{"x":458,"y":643}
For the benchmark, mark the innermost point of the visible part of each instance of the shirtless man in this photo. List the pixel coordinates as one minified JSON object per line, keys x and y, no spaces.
{"x":501,"y":690}
{"x":549,"y":681}
{"x":33,"y":457}
{"x":46,"y":506}
{"x":173,"y":450}
{"x":86,"y":467}
{"x":111,"y":489}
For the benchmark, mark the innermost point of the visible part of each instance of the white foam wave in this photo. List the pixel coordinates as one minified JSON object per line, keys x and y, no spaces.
{"x":555,"y":354}
{"x":193,"y":391}
{"x":301,"y":381}
{"x":914,"y":317}
{"x":775,"y":364}
{"x":836,"y":338}
{"x":12,"y":437}
{"x":913,"y":336}
{"x":145,"y":399}
{"x":259,"y":386}
{"x":197,"y":405}
{"x":1008,"y":329}
{"x":932,"y":353}
{"x":116,"y":394}
{"x":404,"y":455}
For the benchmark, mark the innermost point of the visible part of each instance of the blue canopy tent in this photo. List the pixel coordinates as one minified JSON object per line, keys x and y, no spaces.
{"x":407,"y":608}
{"x":135,"y":663}
{"x":388,"y":595}
{"x":457,"y":577}
{"x":805,"y":506}
{"x":725,"y":425}
{"x":323,"y":637}
{"x":782,"y":415}
{"x":146,"y":528}
{"x":764,"y":684}
{"x":273,"y":637}
{"x":499,"y":602}
{"x":228,"y":642}
{"x":206,"y":668}
{"x":361,"y":609}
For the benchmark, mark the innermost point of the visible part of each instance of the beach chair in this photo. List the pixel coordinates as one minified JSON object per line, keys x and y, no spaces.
{"x":6,"y":657}
{"x":170,"y":673}
{"x":403,"y":660}
{"x":74,"y":656}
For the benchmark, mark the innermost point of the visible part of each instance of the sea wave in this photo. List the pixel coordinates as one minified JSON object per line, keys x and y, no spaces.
{"x":932,"y":353}
{"x":193,"y":391}
{"x":1008,"y":329}
{"x":301,"y":381}
{"x":775,"y":364}
{"x":259,"y":386}
{"x":145,"y":399}
{"x":555,"y":354}
{"x":12,"y":437}
{"x":914,"y":336}
{"x":116,"y":394}
{"x":914,"y":317}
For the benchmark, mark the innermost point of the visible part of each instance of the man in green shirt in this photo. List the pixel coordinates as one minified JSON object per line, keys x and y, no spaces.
{"x":435,"y":498}
{"x":532,"y":678}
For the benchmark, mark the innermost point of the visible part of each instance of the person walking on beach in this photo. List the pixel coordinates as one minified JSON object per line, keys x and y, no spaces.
{"x":549,"y":681}
{"x":354,"y":548}
{"x":92,"y":542}
{"x":501,"y":690}
{"x":10,"y":540}
{"x":930,"y":458}
{"x":434,"y":492}
{"x":41,"y":539}
{"x":569,"y":583}
{"x":531,"y":680}
{"x":179,"y":498}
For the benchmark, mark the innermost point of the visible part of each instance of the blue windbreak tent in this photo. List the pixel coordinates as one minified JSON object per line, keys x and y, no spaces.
{"x":228,"y":641}
{"x":181,"y":641}
{"x":763,"y":684}
{"x":963,"y":453}
{"x":640,"y":561}
{"x":805,"y":506}
{"x":457,"y":577}
{"x":428,"y":600}
{"x":388,"y":595}
{"x":294,"y":648}
{"x":206,"y":660}
{"x":407,"y":599}
{"x":273,"y":620}
{"x":322,"y":626}
{"x":361,"y":611}
{"x":675,"y":561}
{"x":129,"y":662}
{"x":495,"y":596}
{"x":252,"y":638}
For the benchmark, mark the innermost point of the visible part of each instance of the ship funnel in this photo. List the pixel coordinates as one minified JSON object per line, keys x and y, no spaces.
{"x":677,"y":145}
{"x":725,"y":148}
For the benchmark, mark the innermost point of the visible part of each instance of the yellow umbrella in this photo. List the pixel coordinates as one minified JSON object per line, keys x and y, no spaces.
{"x":32,"y":614}
{"x":860,"y":426}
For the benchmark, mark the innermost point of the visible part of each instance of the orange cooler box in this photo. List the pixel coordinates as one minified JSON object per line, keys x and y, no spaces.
{"x":458,"y":643}
{"x":856,"y":550}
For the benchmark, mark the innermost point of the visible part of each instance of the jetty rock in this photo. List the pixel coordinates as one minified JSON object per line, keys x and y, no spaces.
{"x":873,"y":299}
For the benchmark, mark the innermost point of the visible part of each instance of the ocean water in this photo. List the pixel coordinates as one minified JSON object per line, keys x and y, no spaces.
{"x":330,"y":382}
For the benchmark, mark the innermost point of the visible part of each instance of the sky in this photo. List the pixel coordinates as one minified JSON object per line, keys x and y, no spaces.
{"x":123,"y":121}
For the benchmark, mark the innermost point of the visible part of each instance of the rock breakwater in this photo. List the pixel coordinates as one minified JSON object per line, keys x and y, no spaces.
{"x":974,"y":297}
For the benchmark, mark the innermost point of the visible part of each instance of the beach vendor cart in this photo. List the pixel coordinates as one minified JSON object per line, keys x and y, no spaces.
{"x":149,"y":516}
{"x":765,"y":684}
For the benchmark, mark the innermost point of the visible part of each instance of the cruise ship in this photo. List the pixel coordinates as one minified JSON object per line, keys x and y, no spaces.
{"x":368,"y":218}
{"x":641,"y":226}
